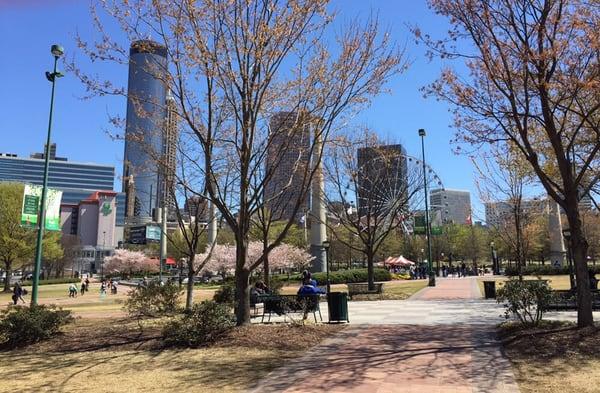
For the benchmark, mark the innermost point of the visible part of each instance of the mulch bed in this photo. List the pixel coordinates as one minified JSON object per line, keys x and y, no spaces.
{"x":552,"y":340}
{"x":126,"y":333}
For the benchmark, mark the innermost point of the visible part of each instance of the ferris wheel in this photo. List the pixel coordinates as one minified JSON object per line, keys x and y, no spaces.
{"x":393,"y":186}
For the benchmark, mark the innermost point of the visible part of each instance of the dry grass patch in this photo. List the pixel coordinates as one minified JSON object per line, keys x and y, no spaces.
{"x":555,"y":358}
{"x":125,"y":355}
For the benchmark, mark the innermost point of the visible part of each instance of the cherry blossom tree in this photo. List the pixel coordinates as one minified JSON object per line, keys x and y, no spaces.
{"x":129,"y":262}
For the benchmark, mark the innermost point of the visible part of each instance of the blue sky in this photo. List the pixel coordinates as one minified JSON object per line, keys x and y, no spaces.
{"x":29,"y":27}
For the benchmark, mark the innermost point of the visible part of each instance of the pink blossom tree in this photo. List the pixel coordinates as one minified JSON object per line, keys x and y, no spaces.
{"x":129,"y":262}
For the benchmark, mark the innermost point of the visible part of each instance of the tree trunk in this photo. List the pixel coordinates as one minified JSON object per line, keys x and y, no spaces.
{"x":370,"y":271}
{"x":242,"y":296}
{"x":579,"y":248}
{"x":266,"y":269}
{"x":189,"y":296}
{"x":8,"y":270}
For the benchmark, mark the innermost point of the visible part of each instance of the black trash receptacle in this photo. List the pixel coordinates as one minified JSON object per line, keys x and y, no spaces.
{"x":489,"y":287}
{"x":337,"y":304}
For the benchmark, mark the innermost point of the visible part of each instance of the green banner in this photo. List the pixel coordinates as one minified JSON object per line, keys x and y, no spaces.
{"x":32,"y":196}
{"x":436,"y":231}
{"x":419,"y":227}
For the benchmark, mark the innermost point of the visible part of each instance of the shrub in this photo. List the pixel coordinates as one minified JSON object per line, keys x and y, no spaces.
{"x":204,"y":324}
{"x":23,"y":325}
{"x":349,"y":276}
{"x":153,"y":300}
{"x":527,"y":299}
{"x":225,"y":294}
{"x":543,"y":270}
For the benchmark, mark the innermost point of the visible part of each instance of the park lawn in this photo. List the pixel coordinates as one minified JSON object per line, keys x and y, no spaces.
{"x":392,"y":290}
{"x":116,"y":356}
{"x":92,"y":303}
{"x":555,"y":359}
{"x":558,"y":282}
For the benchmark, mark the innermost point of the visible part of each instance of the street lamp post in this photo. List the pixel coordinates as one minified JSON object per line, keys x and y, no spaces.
{"x":567,"y":235}
{"x":102,"y":259}
{"x":427,"y":230}
{"x":495,"y":268}
{"x":57,"y":51}
{"x":326,"y":245}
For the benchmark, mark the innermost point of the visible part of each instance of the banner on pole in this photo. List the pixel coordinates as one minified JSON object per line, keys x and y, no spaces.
{"x":32,"y":196}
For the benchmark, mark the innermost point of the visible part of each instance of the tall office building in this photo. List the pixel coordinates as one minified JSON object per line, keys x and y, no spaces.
{"x":51,"y":154}
{"x":287,"y":158}
{"x":382,"y":177}
{"x":451,"y":206}
{"x":170,"y":141}
{"x":75,"y":179}
{"x":146,"y":99}
{"x":501,"y":213}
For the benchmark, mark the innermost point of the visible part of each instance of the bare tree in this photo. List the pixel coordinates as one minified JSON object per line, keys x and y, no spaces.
{"x":533,"y":81}
{"x":504,"y":179}
{"x":232,"y":66}
{"x":385,"y":184}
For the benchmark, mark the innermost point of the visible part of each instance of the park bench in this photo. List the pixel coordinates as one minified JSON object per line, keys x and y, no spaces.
{"x":567,"y":300}
{"x":362,"y":288}
{"x":290,"y":304}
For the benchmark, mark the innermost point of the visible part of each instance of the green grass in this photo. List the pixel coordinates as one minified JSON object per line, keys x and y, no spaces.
{"x":556,"y":282}
{"x":392,"y":290}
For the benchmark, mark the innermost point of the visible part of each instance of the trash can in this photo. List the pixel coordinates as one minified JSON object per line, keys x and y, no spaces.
{"x":489,"y":287}
{"x":337,"y":304}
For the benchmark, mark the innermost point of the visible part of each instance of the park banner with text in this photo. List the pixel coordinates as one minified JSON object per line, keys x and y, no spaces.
{"x":32,"y":196}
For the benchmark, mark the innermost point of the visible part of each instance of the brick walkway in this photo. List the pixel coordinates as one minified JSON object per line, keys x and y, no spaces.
{"x":450,"y":289}
{"x":440,"y":343}
{"x":399,"y":358}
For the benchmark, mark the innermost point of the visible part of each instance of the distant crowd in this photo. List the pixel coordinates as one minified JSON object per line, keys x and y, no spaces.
{"x":417,"y":272}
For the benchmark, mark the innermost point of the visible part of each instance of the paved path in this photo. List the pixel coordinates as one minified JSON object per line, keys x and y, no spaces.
{"x":445,"y":344}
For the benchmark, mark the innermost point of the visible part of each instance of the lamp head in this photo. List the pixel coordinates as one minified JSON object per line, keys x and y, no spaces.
{"x":492,"y":244}
{"x":421,"y":132}
{"x":57,"y":50}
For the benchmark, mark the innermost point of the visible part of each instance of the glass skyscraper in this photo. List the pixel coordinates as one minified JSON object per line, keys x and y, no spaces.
{"x":145,"y":122}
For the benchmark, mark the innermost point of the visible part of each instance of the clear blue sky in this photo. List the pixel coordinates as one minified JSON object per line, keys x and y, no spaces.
{"x":29,"y":27}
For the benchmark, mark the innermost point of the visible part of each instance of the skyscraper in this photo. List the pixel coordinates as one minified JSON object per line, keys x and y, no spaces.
{"x":170,"y":140}
{"x":382,"y":177}
{"x":451,"y":206}
{"x":287,"y":160}
{"x":146,"y":99}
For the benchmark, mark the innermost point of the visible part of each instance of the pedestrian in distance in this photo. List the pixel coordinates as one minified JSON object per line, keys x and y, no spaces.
{"x":73,"y":290}
{"x":17,"y":293}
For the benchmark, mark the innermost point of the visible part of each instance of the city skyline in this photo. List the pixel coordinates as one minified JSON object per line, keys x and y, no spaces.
{"x":404,"y":103}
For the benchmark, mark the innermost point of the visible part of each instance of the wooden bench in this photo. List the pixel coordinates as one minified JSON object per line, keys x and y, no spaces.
{"x":362,"y":288}
{"x":289,"y":304}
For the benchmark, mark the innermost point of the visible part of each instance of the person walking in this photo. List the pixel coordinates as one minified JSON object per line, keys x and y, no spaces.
{"x":17,"y":294}
{"x":72,"y":290}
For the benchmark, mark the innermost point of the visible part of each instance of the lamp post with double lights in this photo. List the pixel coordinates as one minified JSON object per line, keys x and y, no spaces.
{"x":427,"y":229}
{"x":495,"y":268}
{"x":326,"y":244}
{"x":57,"y":51}
{"x":567,"y":235}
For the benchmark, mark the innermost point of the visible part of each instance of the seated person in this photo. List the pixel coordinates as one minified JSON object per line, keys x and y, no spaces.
{"x":309,"y":287}
{"x":307,"y":277}
{"x":261,"y":288}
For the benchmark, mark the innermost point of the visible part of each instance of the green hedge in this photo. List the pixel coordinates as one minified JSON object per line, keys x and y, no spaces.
{"x":49,"y":281}
{"x":348,"y":276}
{"x":543,"y":270}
